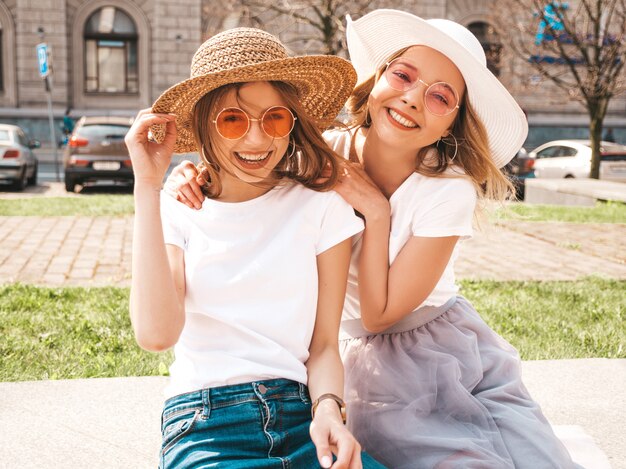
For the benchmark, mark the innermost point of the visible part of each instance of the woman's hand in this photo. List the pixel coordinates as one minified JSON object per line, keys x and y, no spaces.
{"x":185,"y":184}
{"x":150,"y":159}
{"x":331,"y":436}
{"x":356,"y":188}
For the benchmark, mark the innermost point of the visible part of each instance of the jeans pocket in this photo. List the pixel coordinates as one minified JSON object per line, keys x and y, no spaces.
{"x":177,"y":425}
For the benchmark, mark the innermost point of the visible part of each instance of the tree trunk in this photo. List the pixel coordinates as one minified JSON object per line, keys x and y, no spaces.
{"x":597,"y":111}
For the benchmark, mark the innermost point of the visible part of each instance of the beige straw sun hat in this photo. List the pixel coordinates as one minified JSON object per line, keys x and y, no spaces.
{"x":373,"y":38}
{"x":241,"y":55}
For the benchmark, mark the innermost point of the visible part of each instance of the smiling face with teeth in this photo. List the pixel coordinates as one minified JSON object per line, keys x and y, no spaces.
{"x":400,"y":117}
{"x":252,"y":158}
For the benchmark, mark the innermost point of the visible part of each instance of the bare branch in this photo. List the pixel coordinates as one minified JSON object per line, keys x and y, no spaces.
{"x":581,"y":51}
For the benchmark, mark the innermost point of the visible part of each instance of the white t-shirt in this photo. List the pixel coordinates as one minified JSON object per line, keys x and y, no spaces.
{"x":251,"y":283}
{"x":422,"y":206}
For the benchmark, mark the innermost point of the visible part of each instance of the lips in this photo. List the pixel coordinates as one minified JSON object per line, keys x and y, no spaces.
{"x":251,"y":157}
{"x":401,"y":119}
{"x":252,"y":160}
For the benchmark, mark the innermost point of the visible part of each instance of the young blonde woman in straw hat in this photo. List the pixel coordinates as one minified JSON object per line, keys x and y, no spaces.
{"x":428,"y":383}
{"x":248,"y":289}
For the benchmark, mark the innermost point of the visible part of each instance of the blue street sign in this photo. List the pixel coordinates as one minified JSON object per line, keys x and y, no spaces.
{"x":42,"y":59}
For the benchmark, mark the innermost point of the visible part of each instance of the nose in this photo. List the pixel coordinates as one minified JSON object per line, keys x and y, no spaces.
{"x":256,"y":134}
{"x":414,"y":98}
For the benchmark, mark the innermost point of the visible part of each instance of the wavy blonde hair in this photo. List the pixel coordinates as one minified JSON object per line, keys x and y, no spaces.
{"x":305,"y":163}
{"x":473,"y":155}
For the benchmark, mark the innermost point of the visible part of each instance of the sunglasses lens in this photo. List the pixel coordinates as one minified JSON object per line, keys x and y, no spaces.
{"x":401,"y":75}
{"x":441,"y":99}
{"x":232,"y":123}
{"x":278,"y":122}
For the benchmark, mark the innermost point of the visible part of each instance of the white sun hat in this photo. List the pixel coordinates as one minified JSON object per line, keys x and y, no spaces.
{"x":373,"y":38}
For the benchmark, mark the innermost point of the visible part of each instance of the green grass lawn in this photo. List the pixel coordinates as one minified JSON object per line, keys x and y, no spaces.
{"x":122,"y":204}
{"x":602,"y":212}
{"x":85,"y":205}
{"x":557,"y":319}
{"x":54,"y":333}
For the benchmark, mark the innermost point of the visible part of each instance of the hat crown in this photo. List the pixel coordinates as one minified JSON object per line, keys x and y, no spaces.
{"x":462,"y":35}
{"x":239,"y":47}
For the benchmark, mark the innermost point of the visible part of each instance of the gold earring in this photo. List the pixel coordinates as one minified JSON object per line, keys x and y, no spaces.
{"x":456,"y":145}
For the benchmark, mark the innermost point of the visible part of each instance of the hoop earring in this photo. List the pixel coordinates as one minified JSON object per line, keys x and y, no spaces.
{"x":292,"y":142}
{"x":368,"y":119}
{"x":456,"y":145}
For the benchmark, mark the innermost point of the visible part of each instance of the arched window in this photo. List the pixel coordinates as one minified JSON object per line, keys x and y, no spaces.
{"x":491,"y":44}
{"x":8,"y":67}
{"x":111,"y":52}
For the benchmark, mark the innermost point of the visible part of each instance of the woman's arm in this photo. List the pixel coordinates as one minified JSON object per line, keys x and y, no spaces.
{"x":325,"y":370}
{"x":158,"y":285}
{"x":388,"y":293}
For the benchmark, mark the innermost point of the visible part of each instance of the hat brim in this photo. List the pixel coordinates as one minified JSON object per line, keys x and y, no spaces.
{"x":323,"y":84}
{"x":373,"y":38}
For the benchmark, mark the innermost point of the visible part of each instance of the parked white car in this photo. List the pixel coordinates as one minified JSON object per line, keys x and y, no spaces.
{"x":18,"y":164}
{"x":572,"y":159}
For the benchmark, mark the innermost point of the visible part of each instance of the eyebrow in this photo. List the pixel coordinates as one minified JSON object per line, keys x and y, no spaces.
{"x":407,"y":63}
{"x":447,"y":85}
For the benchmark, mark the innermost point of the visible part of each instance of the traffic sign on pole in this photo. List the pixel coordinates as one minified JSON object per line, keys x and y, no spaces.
{"x":42,"y":59}
{"x":43,"y":62}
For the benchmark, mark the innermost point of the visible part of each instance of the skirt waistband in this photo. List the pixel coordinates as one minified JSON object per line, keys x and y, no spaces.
{"x":353,"y":328}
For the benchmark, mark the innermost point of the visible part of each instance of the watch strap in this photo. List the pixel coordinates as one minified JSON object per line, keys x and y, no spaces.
{"x":334,"y":397}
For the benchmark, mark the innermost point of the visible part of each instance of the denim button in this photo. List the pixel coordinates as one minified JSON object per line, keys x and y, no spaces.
{"x":262,"y":388}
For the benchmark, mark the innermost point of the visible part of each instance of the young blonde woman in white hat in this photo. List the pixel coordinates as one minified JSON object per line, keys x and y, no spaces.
{"x":248,"y":289}
{"x":432,"y":128}
{"x":428,"y":383}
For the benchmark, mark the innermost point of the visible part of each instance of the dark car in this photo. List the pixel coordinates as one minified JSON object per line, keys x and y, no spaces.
{"x":520,"y":168}
{"x":18,"y":163}
{"x":96,"y":152}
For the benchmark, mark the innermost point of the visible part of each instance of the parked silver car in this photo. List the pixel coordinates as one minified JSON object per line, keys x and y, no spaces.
{"x":572,"y":159}
{"x":18,"y":164}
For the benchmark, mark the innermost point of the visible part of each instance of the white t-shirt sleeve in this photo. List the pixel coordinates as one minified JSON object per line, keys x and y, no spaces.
{"x":447,"y":211}
{"x":339,"y":141}
{"x":172,"y":221}
{"x":339,"y":222}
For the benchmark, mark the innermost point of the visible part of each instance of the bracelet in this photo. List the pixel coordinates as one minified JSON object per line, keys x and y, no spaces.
{"x":337,"y":399}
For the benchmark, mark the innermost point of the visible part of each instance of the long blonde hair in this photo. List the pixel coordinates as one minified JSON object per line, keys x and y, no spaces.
{"x":473,"y":155}
{"x":305,"y":163}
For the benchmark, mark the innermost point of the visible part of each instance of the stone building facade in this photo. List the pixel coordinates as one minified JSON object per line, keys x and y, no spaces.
{"x":117,"y":56}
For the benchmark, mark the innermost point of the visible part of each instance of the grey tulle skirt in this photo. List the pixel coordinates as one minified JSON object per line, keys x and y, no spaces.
{"x":445,"y":394}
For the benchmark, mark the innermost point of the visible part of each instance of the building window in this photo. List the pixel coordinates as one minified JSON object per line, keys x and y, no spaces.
{"x":111,"y":52}
{"x":491,"y":44}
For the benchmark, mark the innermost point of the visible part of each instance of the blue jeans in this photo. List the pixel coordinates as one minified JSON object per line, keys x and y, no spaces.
{"x":258,"y":425}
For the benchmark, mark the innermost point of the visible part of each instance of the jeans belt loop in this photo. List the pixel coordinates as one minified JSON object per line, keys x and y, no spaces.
{"x":303,"y":394}
{"x":206,"y":403}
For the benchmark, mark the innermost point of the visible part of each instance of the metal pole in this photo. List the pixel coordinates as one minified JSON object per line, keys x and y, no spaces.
{"x":53,"y":138}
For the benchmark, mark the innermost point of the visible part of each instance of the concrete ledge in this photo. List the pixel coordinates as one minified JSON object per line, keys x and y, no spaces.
{"x":114,"y":422}
{"x":571,"y":191}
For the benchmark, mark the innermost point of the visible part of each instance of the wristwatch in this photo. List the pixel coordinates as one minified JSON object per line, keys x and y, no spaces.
{"x":337,"y":399}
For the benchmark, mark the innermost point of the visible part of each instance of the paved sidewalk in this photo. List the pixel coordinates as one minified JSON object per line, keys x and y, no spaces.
{"x":97,"y":250}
